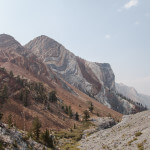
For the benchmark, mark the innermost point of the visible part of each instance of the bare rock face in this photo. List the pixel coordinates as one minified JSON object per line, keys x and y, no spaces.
{"x":95,"y":79}
{"x":71,"y":67}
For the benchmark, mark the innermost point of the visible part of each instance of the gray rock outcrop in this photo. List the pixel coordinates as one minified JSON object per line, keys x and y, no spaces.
{"x":14,"y":139}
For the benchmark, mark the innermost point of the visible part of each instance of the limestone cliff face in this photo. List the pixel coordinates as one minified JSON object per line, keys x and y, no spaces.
{"x":89,"y":77}
{"x":75,"y":70}
{"x":95,"y":79}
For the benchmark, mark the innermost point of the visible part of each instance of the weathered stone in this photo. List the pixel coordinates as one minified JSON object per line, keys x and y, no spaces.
{"x":125,"y":135}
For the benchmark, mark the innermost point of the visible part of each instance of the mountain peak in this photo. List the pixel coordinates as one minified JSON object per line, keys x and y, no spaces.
{"x":4,"y":35}
{"x":8,"y":41}
{"x":44,"y":45}
{"x":42,"y":37}
{"x":43,"y":41}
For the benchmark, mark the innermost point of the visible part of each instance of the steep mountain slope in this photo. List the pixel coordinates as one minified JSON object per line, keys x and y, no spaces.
{"x":132,"y":94}
{"x":32,"y":71}
{"x":94,"y":79}
{"x":25,"y":100}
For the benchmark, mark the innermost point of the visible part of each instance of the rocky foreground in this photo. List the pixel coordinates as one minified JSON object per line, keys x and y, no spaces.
{"x":14,"y":139}
{"x":132,"y":133}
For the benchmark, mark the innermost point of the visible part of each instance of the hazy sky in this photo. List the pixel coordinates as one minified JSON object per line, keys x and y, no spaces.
{"x":113,"y":31}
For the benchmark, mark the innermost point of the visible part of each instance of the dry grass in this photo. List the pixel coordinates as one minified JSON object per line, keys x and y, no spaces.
{"x":70,"y":138}
{"x":51,"y":119}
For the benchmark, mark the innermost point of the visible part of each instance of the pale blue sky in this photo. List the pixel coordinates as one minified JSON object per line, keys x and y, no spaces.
{"x":113,"y":31}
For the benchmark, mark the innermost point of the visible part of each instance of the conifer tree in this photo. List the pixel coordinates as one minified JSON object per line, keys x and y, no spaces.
{"x":70,"y":112}
{"x":36,"y":125}
{"x":11,"y":74}
{"x":4,"y":93}
{"x":1,"y":116}
{"x":25,"y":97}
{"x":91,"y":108}
{"x":86,"y":115}
{"x":20,"y":81}
{"x":21,"y":95}
{"x":76,"y":116}
{"x":74,"y":126}
{"x":47,"y":139}
{"x":52,"y":96}
{"x":66,"y":109}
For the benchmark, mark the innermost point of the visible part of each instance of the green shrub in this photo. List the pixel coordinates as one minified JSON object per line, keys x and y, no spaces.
{"x":138,"y":134}
{"x":140,"y":146}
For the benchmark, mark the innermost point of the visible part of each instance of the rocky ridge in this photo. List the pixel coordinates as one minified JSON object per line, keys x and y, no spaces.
{"x":132,"y":94}
{"x":94,"y":79}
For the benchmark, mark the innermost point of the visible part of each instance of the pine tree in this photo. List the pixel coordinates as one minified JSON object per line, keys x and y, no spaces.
{"x":25,"y":97}
{"x":4,"y":93}
{"x":86,"y":115}
{"x":1,"y":116}
{"x":76,"y":116}
{"x":91,"y":108}
{"x":52,"y":96}
{"x":70,"y":112}
{"x":11,"y":74}
{"x":48,"y":106}
{"x":98,"y":114}
{"x":21,"y":95}
{"x":62,"y":107}
{"x":36,"y":125}
{"x":66,"y":109}
{"x":47,"y":139}
{"x":19,"y":80}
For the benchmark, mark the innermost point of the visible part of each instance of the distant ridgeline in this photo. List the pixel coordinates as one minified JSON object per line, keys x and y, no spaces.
{"x":138,"y":106}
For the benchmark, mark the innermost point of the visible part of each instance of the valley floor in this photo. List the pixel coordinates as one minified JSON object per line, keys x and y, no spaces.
{"x":132,"y":133}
